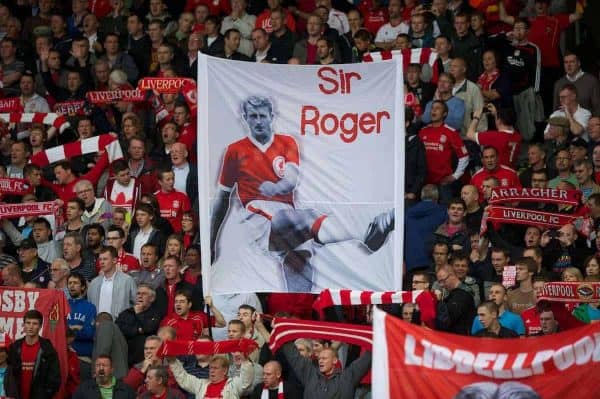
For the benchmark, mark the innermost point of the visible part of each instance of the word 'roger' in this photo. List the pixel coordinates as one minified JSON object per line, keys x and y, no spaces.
{"x":424,"y":353}
{"x":348,"y":124}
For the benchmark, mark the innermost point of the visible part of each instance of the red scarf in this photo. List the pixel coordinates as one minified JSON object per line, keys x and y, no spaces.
{"x":571,"y":292}
{"x":329,"y":298}
{"x":487,"y":79}
{"x":265,"y":391}
{"x":179,"y":348}
{"x":527,"y":217}
{"x":527,"y":194}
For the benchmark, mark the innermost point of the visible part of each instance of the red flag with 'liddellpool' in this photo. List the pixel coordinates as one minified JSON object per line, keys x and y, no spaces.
{"x":413,"y":362}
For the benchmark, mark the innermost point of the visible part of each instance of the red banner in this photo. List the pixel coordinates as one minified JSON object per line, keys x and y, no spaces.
{"x":163,"y":85}
{"x":108,"y":97}
{"x":11,"y":104}
{"x":527,"y":194}
{"x":182,"y":348}
{"x":14,"y":186}
{"x":413,"y":362}
{"x":504,"y":214}
{"x":571,"y":292}
{"x":28,"y":208}
{"x":70,"y":108}
{"x":51,"y":303}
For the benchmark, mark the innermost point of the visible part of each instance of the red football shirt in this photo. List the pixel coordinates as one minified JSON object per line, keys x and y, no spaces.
{"x":214,"y":390}
{"x":441,"y":144}
{"x":188,"y":329}
{"x":545,"y":33}
{"x":28,"y":355}
{"x":172,"y":207}
{"x":248,"y":164}
{"x":505,"y":175}
{"x":506,"y":142}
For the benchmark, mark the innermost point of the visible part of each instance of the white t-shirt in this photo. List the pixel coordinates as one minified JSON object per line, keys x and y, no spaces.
{"x":582,"y":116}
{"x":339,"y":21}
{"x":388,"y":33}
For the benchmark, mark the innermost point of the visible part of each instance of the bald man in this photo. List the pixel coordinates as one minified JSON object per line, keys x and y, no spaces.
{"x":273,"y":383}
{"x":186,"y":174}
{"x":326,"y":380}
{"x":470,"y":195}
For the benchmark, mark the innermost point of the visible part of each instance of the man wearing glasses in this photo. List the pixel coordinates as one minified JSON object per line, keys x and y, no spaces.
{"x":427,"y":301}
{"x":459,"y":304}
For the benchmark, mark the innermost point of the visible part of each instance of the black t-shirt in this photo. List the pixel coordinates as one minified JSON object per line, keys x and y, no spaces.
{"x":503,"y":333}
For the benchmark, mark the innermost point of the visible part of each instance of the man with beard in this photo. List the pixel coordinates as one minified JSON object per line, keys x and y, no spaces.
{"x":105,"y":384}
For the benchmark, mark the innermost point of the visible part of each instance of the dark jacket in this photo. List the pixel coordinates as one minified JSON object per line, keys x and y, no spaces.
{"x":341,"y":384}
{"x":282,"y":47}
{"x":289,"y":392}
{"x":136,"y":327}
{"x":89,"y":390}
{"x":416,"y":165}
{"x":46,"y":371}
{"x":217,"y":47}
{"x":171,"y":394}
{"x":421,"y":220}
{"x":551,"y":253}
{"x":461,"y":310}
{"x":162,"y":301}
{"x":156,"y":238}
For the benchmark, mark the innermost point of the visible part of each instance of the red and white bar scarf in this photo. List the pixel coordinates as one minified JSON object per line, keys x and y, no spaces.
{"x":14,"y":186}
{"x":528,"y":217}
{"x":181,"y":348}
{"x":265,"y":391}
{"x":59,"y":121}
{"x":409,"y":56}
{"x":571,"y":292}
{"x":109,"y":97}
{"x":285,"y":330}
{"x":329,"y":298}
{"x":104,"y":142}
{"x":527,"y":194}
{"x":8,"y":211}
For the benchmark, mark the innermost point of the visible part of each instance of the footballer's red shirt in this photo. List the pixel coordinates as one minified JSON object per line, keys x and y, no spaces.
{"x":248,"y":164}
{"x":441,"y":144}
{"x":506,"y":142}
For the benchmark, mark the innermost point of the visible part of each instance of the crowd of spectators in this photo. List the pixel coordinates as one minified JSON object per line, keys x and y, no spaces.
{"x":513,"y":101}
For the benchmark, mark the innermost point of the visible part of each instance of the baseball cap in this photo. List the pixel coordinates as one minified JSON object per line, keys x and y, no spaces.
{"x":28,"y":243}
{"x":579,"y":142}
{"x":559,"y":121}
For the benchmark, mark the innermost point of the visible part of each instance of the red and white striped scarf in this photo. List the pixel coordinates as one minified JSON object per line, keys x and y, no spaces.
{"x":60,"y":122}
{"x":285,"y":330}
{"x":265,"y":391}
{"x":409,"y":56}
{"x":106,"y":142}
{"x":329,"y":298}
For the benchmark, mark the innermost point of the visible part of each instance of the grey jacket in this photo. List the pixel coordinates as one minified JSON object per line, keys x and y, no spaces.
{"x":123,"y":293}
{"x":340,"y":385}
{"x":110,"y":341}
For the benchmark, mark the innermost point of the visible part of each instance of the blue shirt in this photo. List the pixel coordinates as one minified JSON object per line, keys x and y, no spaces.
{"x":507,"y":319}
{"x":456,"y":113}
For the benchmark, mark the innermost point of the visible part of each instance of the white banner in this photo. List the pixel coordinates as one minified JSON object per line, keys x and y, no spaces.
{"x":300,"y":176}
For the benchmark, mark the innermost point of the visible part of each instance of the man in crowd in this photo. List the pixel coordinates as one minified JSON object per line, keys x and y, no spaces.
{"x":81,"y":319}
{"x":505,"y":317}
{"x":113,"y":291}
{"x":190,"y":325}
{"x":115,"y":237}
{"x":459,"y":303}
{"x":32,"y":267}
{"x":149,"y":273}
{"x":492,"y":168}
{"x":73,"y":254}
{"x":104,"y":382}
{"x":487,"y":313}
{"x":34,"y":360}
{"x":139,"y":322}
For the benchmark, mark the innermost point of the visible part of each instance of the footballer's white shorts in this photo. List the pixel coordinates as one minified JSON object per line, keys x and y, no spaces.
{"x":258,"y":219}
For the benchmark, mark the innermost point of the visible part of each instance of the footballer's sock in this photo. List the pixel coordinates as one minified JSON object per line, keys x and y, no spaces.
{"x":331,"y":230}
